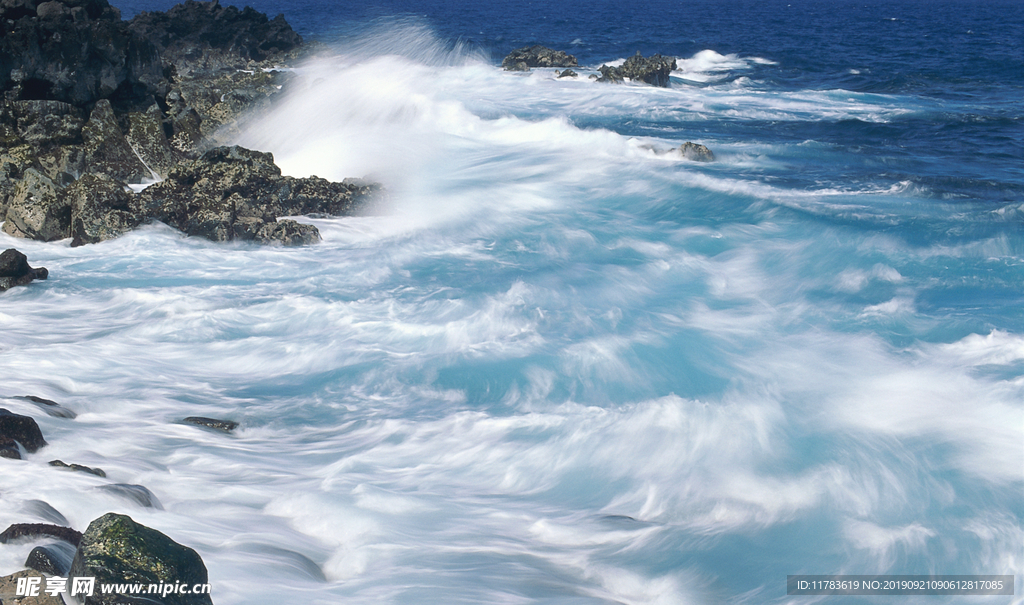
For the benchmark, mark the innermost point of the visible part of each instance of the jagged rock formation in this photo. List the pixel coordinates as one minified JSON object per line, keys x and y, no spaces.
{"x":91,"y":102}
{"x":653,"y":70}
{"x":14,"y":271}
{"x":233,"y":193}
{"x":522,"y":59}
{"x":74,"y":51}
{"x":696,"y":152}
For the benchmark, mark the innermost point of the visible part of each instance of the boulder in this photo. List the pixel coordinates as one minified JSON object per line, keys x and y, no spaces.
{"x":20,"y":531}
{"x":22,"y":429}
{"x":696,"y":152}
{"x":568,"y":73}
{"x":653,"y":70}
{"x":116,"y":549}
{"x":225,"y":426}
{"x":537,"y":56}
{"x":101,"y":209}
{"x":36,"y":211}
{"x":51,"y":559}
{"x":15,"y":271}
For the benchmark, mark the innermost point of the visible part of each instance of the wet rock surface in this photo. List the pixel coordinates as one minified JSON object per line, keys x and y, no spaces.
{"x":78,"y":467}
{"x":225,"y":426}
{"x":51,"y":559}
{"x":116,"y":549}
{"x":696,"y":152}
{"x":522,"y":59}
{"x":652,"y":70}
{"x":22,"y":429}
{"x":25,"y":531}
{"x":147,"y":98}
{"x":15,"y":270}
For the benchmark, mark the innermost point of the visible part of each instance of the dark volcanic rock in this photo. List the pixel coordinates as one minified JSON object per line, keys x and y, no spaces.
{"x":76,"y":51}
{"x":212,"y":423}
{"x":233,"y":193}
{"x":193,"y":29}
{"x":22,"y":429}
{"x":222,"y":196}
{"x":139,"y":494}
{"x":568,"y":73}
{"x":78,"y":467}
{"x":116,"y":549}
{"x":537,"y":56}
{"x":652,"y":70}
{"x":50,"y":407}
{"x":101,"y":209}
{"x":107,"y":150}
{"x":44,"y":510}
{"x":696,"y":152}
{"x":18,"y":531}
{"x":35,"y":210}
{"x":53,"y":559}
{"x":14,"y":270}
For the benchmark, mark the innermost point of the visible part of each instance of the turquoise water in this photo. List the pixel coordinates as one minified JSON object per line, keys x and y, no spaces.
{"x":564,"y":365}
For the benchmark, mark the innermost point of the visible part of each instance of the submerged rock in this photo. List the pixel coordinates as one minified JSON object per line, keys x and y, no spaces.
{"x":19,"y":531}
{"x":212,"y":423}
{"x":653,"y":70}
{"x":50,"y":407}
{"x":51,"y":559}
{"x":78,"y":467}
{"x":696,"y":152}
{"x":15,"y":271}
{"x":568,"y":73}
{"x":522,"y":59}
{"x":139,"y":494}
{"x":22,"y":429}
{"x":116,"y":549}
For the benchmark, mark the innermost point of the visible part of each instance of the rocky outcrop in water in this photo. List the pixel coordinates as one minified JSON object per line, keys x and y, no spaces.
{"x":144,"y":102}
{"x":653,"y":70}
{"x":116,"y":549}
{"x":233,"y":193}
{"x":15,"y":271}
{"x":20,"y":429}
{"x":696,"y":152}
{"x":224,"y":426}
{"x":522,"y":59}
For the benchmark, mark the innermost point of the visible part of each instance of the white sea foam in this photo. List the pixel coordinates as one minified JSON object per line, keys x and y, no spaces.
{"x":562,"y":366}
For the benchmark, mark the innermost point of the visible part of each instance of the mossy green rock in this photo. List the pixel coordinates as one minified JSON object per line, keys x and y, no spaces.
{"x":115,"y":549}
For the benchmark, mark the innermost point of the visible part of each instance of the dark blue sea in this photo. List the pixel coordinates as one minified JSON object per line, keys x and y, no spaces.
{"x":565,"y":364}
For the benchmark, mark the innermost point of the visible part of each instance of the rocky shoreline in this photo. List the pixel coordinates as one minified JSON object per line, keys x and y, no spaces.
{"x":92,"y":103}
{"x":113,"y":549}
